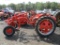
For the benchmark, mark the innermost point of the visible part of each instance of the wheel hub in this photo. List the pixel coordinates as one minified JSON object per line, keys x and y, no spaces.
{"x":9,"y":31}
{"x":45,"y":26}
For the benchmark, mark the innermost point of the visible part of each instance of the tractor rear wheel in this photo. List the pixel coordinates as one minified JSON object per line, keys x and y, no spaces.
{"x":58,"y":19}
{"x":9,"y":31}
{"x":45,"y":26}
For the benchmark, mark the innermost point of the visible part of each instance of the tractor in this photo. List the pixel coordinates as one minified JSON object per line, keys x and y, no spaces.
{"x":44,"y":23}
{"x":5,"y":13}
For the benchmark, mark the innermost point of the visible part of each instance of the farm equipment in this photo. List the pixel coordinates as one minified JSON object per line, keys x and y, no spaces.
{"x":44,"y":23}
{"x":5,"y":13}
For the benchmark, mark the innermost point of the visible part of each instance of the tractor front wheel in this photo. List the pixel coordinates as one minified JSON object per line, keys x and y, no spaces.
{"x":9,"y":31}
{"x":45,"y":26}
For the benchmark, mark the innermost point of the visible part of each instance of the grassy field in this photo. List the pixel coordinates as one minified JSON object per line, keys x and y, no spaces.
{"x":28,"y":36}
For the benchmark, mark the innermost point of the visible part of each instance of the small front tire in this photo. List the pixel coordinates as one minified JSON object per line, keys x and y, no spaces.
{"x":9,"y":31}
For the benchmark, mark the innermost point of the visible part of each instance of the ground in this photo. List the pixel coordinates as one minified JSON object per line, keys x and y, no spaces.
{"x":28,"y":36}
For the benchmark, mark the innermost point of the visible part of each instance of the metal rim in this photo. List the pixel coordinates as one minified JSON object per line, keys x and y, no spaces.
{"x":46,"y":27}
{"x":9,"y":31}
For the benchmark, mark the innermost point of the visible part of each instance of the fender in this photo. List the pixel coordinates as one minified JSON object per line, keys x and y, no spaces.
{"x":36,"y":17}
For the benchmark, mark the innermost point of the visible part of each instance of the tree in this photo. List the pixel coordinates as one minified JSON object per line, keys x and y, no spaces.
{"x":3,"y":6}
{"x":0,"y":6}
{"x":47,"y":5}
{"x":13,"y":6}
{"x":54,"y":5}
{"x":33,"y":6}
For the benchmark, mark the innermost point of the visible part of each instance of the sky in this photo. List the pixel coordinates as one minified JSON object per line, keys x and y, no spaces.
{"x":26,"y":1}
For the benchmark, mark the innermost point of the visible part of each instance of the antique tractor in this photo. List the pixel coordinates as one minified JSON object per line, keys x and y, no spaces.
{"x":6,"y":13}
{"x":44,"y":23}
{"x":3,"y":15}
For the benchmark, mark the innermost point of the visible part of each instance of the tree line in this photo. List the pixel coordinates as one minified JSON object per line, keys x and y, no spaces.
{"x":34,"y":6}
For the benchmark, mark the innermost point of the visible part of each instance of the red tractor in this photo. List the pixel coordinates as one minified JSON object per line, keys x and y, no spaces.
{"x":44,"y":23}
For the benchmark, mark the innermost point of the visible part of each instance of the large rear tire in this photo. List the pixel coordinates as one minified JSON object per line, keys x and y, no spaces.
{"x":45,"y":26}
{"x":9,"y":31}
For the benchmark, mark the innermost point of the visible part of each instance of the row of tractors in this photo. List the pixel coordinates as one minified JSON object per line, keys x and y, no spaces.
{"x":44,"y":23}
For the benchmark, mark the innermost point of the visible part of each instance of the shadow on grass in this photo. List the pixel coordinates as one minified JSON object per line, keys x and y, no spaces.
{"x":27,"y":27}
{"x":22,"y":37}
{"x":53,"y":39}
